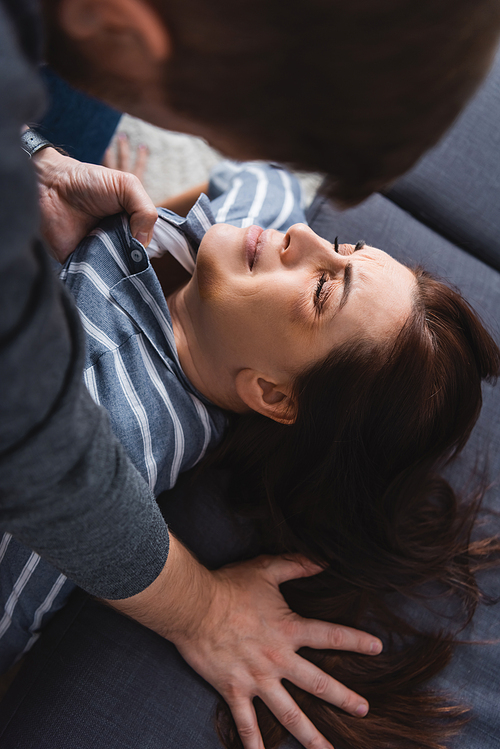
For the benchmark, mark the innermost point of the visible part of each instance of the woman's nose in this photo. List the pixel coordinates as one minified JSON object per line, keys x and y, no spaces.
{"x":302,"y":245}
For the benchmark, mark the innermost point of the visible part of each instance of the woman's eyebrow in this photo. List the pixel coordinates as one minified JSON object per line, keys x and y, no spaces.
{"x":347,"y":284}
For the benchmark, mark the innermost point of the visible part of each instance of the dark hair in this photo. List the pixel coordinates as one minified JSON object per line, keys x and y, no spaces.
{"x":354,"y":485}
{"x":356,"y":90}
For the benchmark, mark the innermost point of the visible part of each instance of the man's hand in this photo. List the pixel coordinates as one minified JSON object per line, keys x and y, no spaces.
{"x":75,"y":196}
{"x":234,"y":628}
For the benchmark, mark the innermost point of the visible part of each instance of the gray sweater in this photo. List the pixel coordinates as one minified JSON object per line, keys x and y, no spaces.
{"x":67,"y":488}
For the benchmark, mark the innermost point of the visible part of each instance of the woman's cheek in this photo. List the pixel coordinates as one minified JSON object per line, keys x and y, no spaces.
{"x":210,"y":286}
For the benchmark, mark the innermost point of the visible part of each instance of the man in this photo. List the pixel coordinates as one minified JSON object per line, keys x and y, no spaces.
{"x":358,"y":92}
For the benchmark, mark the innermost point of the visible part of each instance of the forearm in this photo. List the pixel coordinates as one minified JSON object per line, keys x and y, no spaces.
{"x":177,"y":599}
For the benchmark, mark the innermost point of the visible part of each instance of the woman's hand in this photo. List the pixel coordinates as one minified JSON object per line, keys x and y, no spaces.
{"x":75,"y":196}
{"x":234,"y":628}
{"x":118,"y":156}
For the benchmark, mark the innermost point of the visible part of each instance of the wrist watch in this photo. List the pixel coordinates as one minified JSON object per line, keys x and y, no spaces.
{"x":31,"y":142}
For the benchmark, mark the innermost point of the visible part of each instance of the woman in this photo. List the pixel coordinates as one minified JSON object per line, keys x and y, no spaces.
{"x":344,"y":455}
{"x":354,"y":485}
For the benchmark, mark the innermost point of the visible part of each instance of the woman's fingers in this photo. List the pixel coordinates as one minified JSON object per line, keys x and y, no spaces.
{"x":312,"y":679}
{"x":123,"y":147}
{"x":141,"y":161}
{"x":119,"y":156}
{"x":289,"y":714}
{"x":312,"y":633}
{"x":109,"y":159}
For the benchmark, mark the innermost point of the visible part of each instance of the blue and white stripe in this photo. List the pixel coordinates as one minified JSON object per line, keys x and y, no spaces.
{"x":256,"y":193}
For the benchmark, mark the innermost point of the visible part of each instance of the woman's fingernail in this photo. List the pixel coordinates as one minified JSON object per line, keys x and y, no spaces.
{"x":376,"y":647}
{"x":361,"y":711}
{"x":142,"y":237}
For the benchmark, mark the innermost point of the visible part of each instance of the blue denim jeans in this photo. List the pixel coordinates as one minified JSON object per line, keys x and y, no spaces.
{"x":81,"y":125}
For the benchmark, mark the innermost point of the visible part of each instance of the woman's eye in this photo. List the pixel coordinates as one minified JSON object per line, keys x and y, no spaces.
{"x":319,"y":295}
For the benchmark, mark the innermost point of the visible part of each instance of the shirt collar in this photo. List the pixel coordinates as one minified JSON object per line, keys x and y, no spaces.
{"x":159,"y":331}
{"x":196,"y":224}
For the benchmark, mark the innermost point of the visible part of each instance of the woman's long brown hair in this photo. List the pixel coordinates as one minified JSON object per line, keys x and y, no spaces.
{"x":355,"y":485}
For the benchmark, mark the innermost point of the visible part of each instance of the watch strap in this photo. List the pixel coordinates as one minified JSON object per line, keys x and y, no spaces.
{"x":31,"y":142}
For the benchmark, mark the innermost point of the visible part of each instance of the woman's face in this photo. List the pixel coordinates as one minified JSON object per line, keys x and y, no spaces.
{"x":267,"y":299}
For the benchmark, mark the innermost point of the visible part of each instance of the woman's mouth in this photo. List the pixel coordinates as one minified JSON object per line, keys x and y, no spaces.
{"x":251,"y":244}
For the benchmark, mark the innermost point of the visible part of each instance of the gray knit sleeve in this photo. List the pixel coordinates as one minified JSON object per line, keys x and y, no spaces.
{"x":67,"y":489}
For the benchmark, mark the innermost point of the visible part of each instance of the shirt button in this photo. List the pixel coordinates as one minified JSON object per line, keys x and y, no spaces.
{"x":136,"y":256}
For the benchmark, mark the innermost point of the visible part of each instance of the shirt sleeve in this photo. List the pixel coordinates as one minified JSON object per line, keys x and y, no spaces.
{"x":67,"y":489}
{"x":246,"y":193}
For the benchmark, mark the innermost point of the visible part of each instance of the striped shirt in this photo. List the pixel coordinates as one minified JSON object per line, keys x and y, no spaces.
{"x":132,"y":367}
{"x":131,"y":364}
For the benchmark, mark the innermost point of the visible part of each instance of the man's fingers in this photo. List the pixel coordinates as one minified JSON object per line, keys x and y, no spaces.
{"x":312,"y":633}
{"x":139,"y":206}
{"x":312,"y":679}
{"x":289,"y":714}
{"x":247,"y":725}
{"x":291,"y":568}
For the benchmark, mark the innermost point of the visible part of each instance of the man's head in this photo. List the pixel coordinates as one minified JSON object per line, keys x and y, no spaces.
{"x":357,"y":90}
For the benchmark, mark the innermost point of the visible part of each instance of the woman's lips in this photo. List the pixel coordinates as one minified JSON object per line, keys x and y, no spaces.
{"x":251,"y":244}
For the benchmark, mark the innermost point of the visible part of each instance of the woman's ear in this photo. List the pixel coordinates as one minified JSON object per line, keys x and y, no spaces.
{"x":266,"y":397}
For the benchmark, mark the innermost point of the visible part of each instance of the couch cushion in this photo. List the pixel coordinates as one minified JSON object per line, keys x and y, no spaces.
{"x":381,"y":223}
{"x":455,"y":188}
